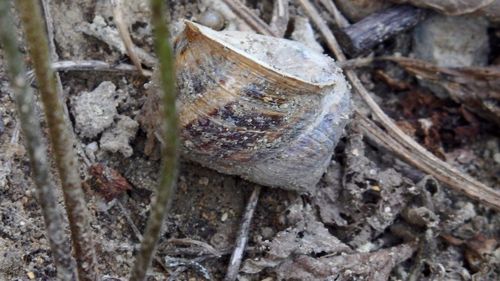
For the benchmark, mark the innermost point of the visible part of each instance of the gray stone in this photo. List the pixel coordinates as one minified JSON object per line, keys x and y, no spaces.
{"x":90,"y":151}
{"x":94,"y":111}
{"x":496,"y":158}
{"x":117,"y":138}
{"x":452,"y":41}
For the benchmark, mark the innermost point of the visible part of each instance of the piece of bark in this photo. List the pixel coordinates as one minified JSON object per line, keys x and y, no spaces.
{"x":378,"y":27}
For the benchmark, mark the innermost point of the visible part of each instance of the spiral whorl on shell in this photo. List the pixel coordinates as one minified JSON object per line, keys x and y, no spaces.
{"x":267,"y":109}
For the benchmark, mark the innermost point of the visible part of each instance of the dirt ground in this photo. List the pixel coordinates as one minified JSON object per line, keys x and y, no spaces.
{"x":361,"y":224}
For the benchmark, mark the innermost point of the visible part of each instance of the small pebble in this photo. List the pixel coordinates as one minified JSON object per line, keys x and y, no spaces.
{"x":496,"y":158}
{"x":367,"y":247}
{"x":31,"y":275}
{"x":267,"y":232}
{"x":203,"y":181}
{"x":451,"y":42}
{"x":6,"y":121}
{"x":213,"y":19}
{"x":219,"y":240}
{"x":224,"y":217}
{"x":90,"y":150}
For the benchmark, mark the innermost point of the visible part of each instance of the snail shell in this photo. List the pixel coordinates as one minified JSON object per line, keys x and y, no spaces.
{"x":267,"y":109}
{"x":213,"y":19}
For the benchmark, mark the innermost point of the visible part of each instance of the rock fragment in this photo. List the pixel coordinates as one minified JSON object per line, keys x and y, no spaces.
{"x":451,"y":42}
{"x":94,"y":111}
{"x":118,"y":137}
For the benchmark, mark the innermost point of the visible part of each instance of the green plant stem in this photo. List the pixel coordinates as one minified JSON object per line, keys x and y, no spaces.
{"x":168,"y":178}
{"x":45,"y":187}
{"x":61,"y":140}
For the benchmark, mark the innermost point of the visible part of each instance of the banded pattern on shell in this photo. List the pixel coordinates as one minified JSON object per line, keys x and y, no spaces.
{"x":267,"y":109}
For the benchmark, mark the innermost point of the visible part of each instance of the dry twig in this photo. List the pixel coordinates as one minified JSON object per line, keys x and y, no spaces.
{"x":49,"y":23}
{"x":90,"y":65}
{"x":422,"y":158}
{"x":136,"y":231}
{"x":356,"y":62}
{"x":204,"y":245}
{"x":340,"y":20}
{"x":241,"y":241}
{"x":250,"y":18}
{"x":124,"y":34}
{"x":280,"y":18}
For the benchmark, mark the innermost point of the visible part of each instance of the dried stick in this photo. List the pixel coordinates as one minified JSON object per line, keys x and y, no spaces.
{"x":45,"y":187}
{"x":136,"y":231}
{"x":124,"y":34}
{"x":170,"y":157}
{"x":241,"y":241}
{"x":49,"y":23}
{"x":356,"y":62}
{"x":204,"y":245}
{"x":378,"y":27}
{"x":250,"y":18}
{"x":61,"y":140}
{"x":340,"y":20}
{"x":280,"y":18}
{"x":90,"y":65}
{"x":442,"y":171}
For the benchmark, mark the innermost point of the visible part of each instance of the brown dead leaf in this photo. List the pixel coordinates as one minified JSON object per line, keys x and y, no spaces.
{"x":431,"y":137}
{"x":108,"y":182}
{"x":478,"y":88}
{"x":407,"y":127}
{"x":450,"y":7}
{"x":450,"y":239}
{"x":417,"y":104}
{"x":477,"y":250}
{"x":374,"y":266}
{"x":436,"y":123}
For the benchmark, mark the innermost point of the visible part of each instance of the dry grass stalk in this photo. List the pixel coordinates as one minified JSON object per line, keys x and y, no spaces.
{"x":45,"y":187}
{"x":170,"y":151}
{"x":61,"y":140}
